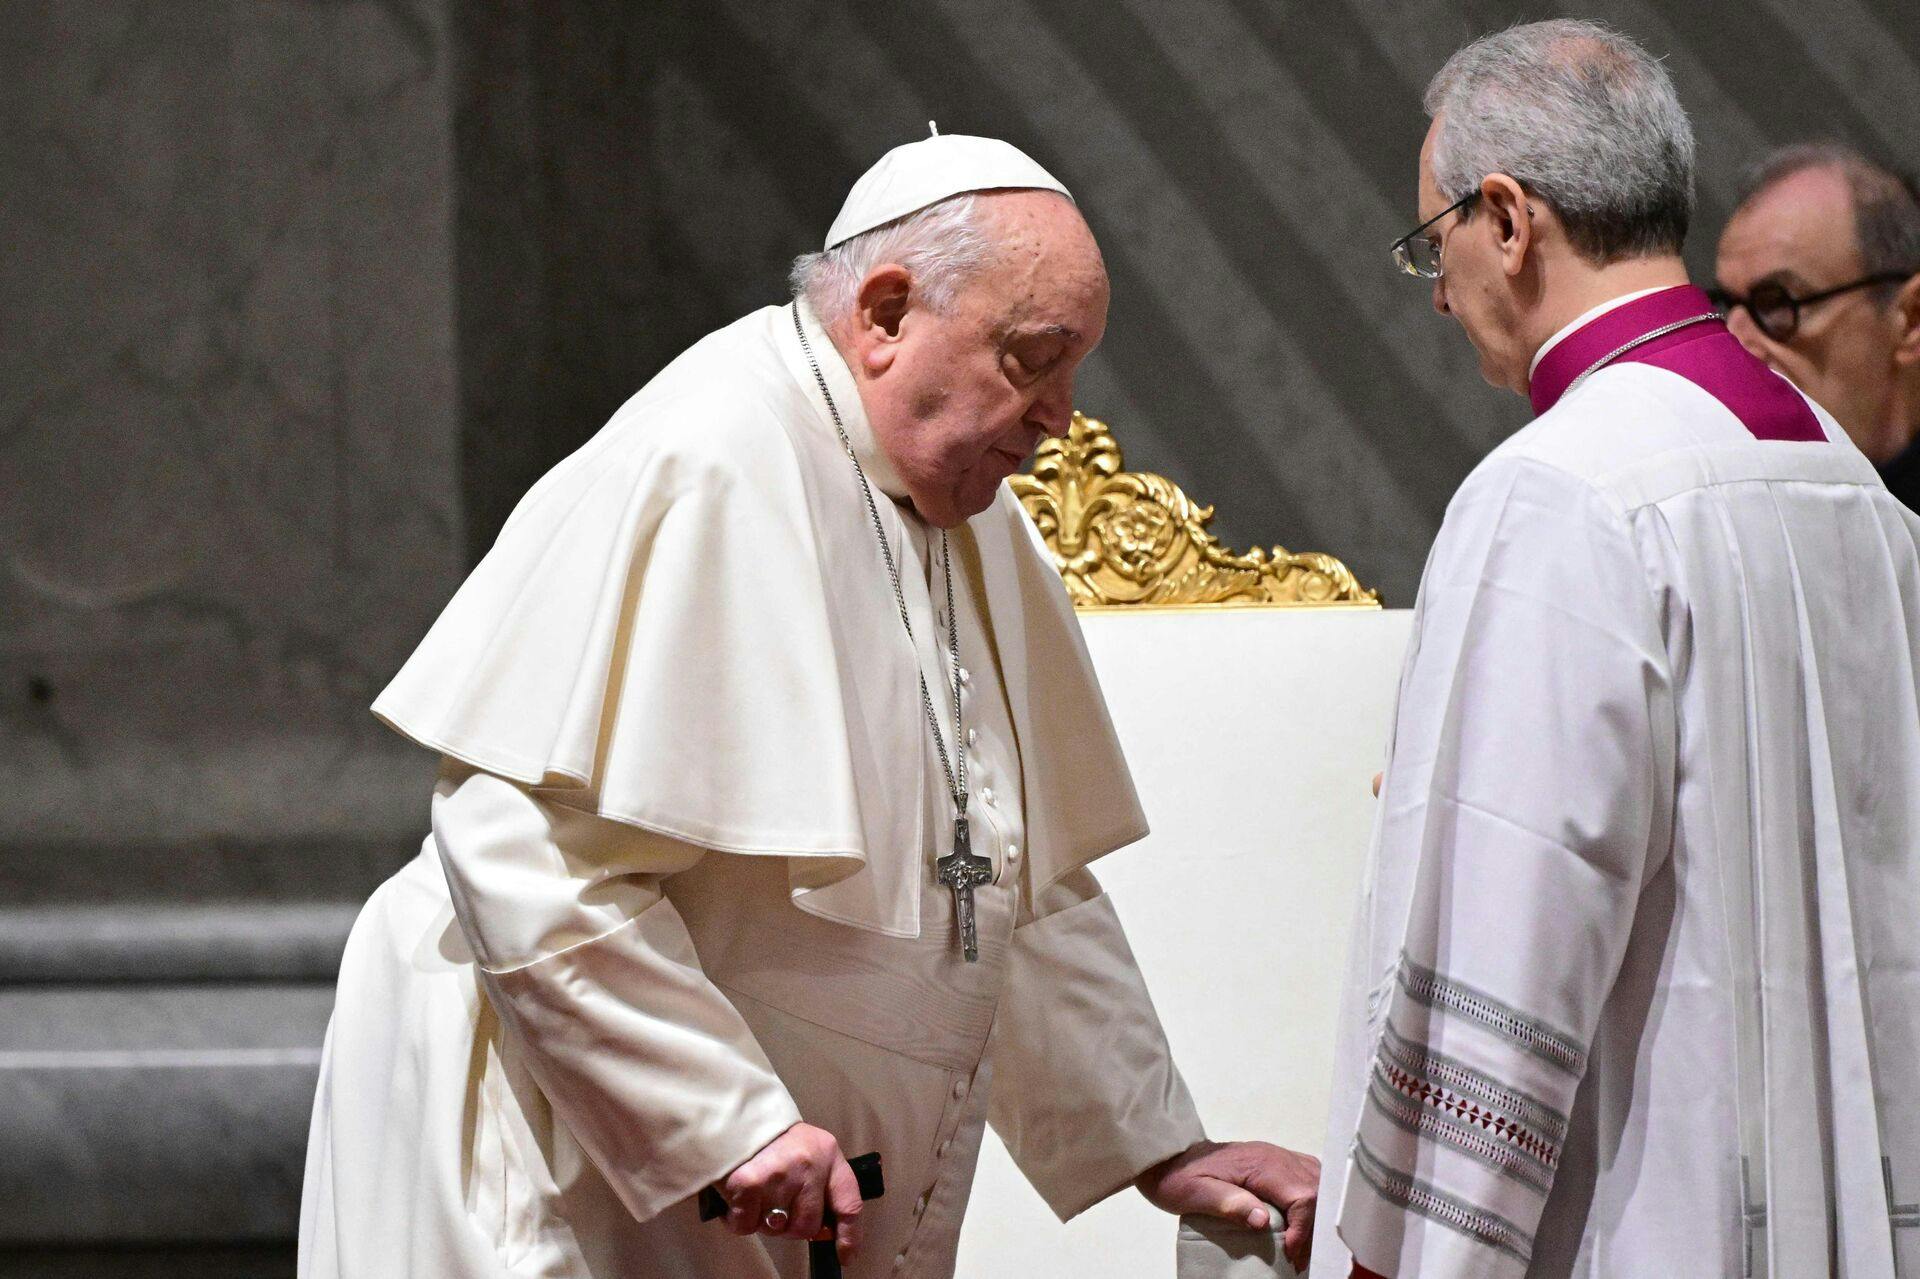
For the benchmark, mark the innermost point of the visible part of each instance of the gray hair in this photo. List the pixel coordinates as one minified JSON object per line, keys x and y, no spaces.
{"x":1886,"y":205}
{"x":1582,"y":117}
{"x":944,"y":245}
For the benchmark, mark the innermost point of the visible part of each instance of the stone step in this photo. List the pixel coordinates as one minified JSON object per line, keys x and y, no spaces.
{"x":168,"y":943}
{"x":151,"y":1261}
{"x":211,"y":870}
{"x":156,"y":1113}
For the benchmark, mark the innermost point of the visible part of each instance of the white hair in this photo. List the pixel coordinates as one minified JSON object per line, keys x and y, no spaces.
{"x":943,"y":245}
{"x":1582,"y":117}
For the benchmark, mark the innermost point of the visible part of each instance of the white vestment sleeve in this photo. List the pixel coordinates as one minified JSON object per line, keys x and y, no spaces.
{"x":1528,"y":801}
{"x":591,"y":970}
{"x":1085,"y":1092}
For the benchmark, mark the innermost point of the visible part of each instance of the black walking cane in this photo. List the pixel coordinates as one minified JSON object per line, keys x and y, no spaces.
{"x":823,"y":1262}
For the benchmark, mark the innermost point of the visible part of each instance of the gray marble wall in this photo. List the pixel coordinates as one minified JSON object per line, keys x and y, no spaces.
{"x":228,"y":429}
{"x":229,"y":504}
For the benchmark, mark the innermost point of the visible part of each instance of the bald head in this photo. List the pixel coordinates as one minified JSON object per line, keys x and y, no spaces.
{"x":1880,"y":207}
{"x":1856,"y":352}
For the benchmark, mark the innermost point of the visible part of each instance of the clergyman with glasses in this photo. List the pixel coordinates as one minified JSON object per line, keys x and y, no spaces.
{"x":1635,"y":986}
{"x":1819,"y":275}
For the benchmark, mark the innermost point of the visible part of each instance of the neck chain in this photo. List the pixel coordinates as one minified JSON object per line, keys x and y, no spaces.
{"x":1621,"y":350}
{"x":955,"y":767}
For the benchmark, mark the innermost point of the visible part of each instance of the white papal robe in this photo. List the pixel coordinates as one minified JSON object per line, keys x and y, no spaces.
{"x":678,"y":893}
{"x":1635,"y":988}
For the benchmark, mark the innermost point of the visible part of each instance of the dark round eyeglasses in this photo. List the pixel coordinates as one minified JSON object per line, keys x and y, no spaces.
{"x":1776,"y":312}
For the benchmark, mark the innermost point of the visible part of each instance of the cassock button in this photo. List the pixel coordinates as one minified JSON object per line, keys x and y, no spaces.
{"x":987,"y":795}
{"x":959,"y":1089}
{"x":944,"y":1147}
{"x":973,"y":736}
{"x":966,"y":676}
{"x":1013,"y":852}
{"x":900,"y":1262}
{"x":920,"y":1205}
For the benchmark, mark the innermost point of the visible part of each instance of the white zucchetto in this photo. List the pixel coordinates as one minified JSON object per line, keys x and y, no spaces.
{"x":911,"y":177}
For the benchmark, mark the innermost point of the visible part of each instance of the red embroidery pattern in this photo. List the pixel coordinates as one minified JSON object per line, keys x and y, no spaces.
{"x":1467,"y":1110}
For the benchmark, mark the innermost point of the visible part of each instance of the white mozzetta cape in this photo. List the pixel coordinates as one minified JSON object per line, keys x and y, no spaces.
{"x":687,"y":627}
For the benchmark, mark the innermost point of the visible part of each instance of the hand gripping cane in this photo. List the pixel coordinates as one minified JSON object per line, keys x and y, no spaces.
{"x":823,"y":1262}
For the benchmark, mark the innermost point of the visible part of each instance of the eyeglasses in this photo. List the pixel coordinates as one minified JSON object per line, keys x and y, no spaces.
{"x":1776,"y":312}
{"x":1416,"y":253}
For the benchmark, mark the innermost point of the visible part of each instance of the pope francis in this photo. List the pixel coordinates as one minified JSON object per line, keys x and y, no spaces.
{"x":773,"y":764}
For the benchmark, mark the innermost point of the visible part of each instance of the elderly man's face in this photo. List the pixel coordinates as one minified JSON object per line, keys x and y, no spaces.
{"x":968,"y":392}
{"x":1474,"y":288}
{"x":1799,"y":233}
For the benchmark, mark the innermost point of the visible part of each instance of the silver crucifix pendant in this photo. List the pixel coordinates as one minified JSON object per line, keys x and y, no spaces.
{"x":961,"y":871}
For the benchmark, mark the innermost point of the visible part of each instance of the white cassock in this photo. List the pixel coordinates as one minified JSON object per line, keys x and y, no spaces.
{"x":1636,"y":980}
{"x":679,"y":893}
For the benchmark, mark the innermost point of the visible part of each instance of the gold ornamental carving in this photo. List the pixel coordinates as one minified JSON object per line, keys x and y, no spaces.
{"x":1132,"y":539}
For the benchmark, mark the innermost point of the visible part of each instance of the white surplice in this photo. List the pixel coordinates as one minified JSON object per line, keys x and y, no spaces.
{"x":1635,"y":987}
{"x":679,"y":890}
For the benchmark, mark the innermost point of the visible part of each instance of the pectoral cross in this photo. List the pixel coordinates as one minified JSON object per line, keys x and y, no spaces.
{"x":961,"y":871}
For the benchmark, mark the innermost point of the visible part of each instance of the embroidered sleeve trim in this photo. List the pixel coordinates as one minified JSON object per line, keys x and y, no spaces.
{"x":1425,"y":986}
{"x":1426,"y":1115}
{"x":1524,"y":1108}
{"x":1416,"y":1196}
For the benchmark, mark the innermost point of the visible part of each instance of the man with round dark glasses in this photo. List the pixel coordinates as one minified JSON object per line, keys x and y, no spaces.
{"x":1775,"y":311}
{"x":1839,"y":315}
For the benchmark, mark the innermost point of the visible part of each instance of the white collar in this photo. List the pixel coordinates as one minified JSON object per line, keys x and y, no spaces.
{"x":1587,"y":318}
{"x":853,"y":412}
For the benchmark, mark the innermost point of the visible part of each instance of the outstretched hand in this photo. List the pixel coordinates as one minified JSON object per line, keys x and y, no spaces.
{"x":1235,"y":1181}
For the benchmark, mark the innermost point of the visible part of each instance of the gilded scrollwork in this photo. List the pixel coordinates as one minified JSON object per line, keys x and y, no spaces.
{"x":1131,"y":538}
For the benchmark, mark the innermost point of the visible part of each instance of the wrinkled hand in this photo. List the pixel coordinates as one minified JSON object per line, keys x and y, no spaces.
{"x":1230,"y":1180}
{"x":803,"y":1172}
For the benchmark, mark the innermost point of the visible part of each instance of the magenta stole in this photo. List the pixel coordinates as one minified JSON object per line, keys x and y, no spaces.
{"x":1705,"y":354}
